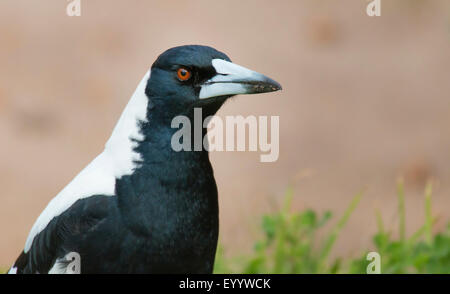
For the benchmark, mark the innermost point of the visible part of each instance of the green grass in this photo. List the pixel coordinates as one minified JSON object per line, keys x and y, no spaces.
{"x":290,"y":244}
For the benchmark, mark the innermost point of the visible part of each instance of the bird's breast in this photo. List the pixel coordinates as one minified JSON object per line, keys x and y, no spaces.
{"x":173,"y":209}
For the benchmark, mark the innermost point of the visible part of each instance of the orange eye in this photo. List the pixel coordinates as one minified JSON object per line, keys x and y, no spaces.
{"x":183,"y":74}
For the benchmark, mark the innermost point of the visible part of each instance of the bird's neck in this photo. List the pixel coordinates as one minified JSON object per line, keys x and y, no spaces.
{"x":150,"y":173}
{"x":170,"y":190}
{"x":173,"y":187}
{"x":143,"y":132}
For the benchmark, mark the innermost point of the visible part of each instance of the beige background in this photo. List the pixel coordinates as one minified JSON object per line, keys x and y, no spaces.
{"x":365,"y":100}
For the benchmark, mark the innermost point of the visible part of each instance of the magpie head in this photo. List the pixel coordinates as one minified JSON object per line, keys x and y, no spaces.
{"x":199,"y":76}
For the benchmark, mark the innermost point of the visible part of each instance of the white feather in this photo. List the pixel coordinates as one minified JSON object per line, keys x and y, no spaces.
{"x":98,"y":178}
{"x":58,"y":268}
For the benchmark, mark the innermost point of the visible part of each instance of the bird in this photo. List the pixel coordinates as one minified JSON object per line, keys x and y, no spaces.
{"x":140,"y":206}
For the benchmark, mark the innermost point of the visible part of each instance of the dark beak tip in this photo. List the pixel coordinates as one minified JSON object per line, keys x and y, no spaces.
{"x":275,"y":86}
{"x":266,"y":87}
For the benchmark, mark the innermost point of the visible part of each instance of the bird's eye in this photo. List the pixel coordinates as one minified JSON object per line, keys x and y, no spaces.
{"x":183,"y":74}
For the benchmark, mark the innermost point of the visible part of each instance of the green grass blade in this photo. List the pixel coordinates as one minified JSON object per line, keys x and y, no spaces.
{"x":326,"y":249}
{"x":428,"y":217}
{"x":401,"y":208}
{"x":288,"y":199}
{"x":380,"y":224}
{"x":280,"y":250}
{"x":419,"y":233}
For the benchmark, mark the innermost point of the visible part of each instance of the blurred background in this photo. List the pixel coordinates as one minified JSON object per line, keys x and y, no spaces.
{"x":365,"y":100}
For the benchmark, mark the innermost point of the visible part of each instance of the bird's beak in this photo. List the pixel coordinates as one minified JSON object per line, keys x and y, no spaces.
{"x":233,"y":79}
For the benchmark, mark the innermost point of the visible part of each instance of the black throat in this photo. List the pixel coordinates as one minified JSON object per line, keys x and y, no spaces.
{"x":171,"y":199}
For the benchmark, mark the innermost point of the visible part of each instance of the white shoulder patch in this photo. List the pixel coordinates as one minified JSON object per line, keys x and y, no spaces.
{"x":98,"y":178}
{"x":58,"y":268}
{"x":13,"y":271}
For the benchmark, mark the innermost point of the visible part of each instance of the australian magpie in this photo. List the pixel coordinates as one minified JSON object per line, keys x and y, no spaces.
{"x":140,"y":206}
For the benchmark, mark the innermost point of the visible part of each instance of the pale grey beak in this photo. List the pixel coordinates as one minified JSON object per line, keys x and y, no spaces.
{"x":233,"y":79}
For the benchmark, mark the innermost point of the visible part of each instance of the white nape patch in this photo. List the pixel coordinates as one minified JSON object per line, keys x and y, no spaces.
{"x":12,"y":271}
{"x":120,"y":145}
{"x":222,"y":83}
{"x":99,"y":177}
